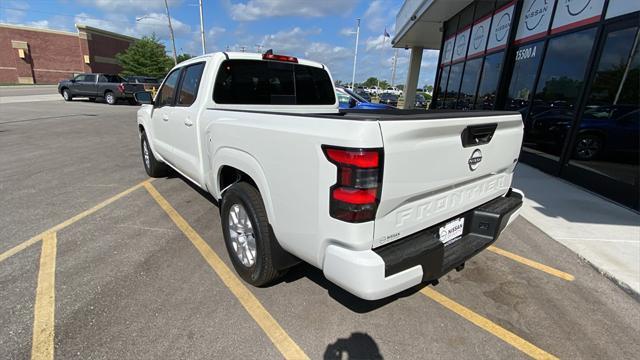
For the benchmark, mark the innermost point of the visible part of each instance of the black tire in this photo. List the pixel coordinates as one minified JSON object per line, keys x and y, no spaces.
{"x":588,"y":147}
{"x":152,"y":166}
{"x":262,"y":272}
{"x":110,"y":98}
{"x":66,"y":95}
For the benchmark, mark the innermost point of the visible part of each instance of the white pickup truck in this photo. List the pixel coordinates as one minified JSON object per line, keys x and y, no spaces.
{"x":379,"y":200}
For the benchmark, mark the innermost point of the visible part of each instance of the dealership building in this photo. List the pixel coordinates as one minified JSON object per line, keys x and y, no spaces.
{"x":570,"y":67}
{"x":31,"y":55}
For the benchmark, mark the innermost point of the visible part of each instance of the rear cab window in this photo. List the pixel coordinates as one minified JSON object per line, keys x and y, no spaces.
{"x":259,"y":82}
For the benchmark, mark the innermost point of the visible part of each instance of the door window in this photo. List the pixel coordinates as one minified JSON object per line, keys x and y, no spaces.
{"x":609,"y":128}
{"x":561,"y":82}
{"x":190,"y":84}
{"x":167,"y":92}
{"x":90,"y":78}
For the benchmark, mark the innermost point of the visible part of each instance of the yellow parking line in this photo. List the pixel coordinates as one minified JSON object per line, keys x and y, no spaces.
{"x":279,"y":337}
{"x":44,"y":309}
{"x":536,"y":265}
{"x":488,"y":325}
{"x":16,"y":249}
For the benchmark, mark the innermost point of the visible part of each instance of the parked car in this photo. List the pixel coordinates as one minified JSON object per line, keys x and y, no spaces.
{"x":389,"y":99}
{"x":148,"y":82}
{"x":374,"y":90}
{"x":421,"y":102}
{"x":393,"y":90}
{"x":110,"y":87}
{"x":352,"y":193}
{"x":349,"y":100}
{"x":363,"y":94}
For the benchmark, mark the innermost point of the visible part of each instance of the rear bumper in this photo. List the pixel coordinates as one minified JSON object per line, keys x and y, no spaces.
{"x":420,"y":257}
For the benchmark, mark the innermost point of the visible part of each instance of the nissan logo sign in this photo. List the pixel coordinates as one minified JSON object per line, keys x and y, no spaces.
{"x":503,"y":27}
{"x":475,"y":159}
{"x":575,"y":8}
{"x":534,"y":15}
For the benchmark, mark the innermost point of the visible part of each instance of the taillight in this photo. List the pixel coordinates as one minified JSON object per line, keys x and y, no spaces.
{"x":269,"y":55}
{"x":121,"y":87}
{"x":356,"y":195}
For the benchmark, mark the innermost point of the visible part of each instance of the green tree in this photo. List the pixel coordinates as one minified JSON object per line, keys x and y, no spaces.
{"x":428,"y":88}
{"x":145,"y":57}
{"x":370,"y":82}
{"x":182,"y":57}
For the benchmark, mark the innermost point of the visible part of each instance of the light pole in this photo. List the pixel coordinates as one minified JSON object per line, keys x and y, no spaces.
{"x":173,"y":40}
{"x":355,"y":57}
{"x":204,"y":47}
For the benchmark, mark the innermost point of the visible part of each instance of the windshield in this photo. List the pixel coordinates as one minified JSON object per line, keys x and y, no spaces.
{"x":355,"y":96}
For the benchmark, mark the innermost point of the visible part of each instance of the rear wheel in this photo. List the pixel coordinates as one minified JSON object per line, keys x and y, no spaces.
{"x":246,"y":234}
{"x":152,"y":166}
{"x":588,"y":147}
{"x":110,"y":98}
{"x":66,"y":95}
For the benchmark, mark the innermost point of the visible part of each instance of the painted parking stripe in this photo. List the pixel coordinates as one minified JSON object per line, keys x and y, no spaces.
{"x":279,"y":337}
{"x":488,"y":325}
{"x":25,"y":244}
{"x":44,"y":309}
{"x":534,"y":264}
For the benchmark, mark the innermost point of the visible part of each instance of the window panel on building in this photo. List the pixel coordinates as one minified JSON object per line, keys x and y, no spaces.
{"x":571,"y":14}
{"x":442,"y":87}
{"x":469,"y":84}
{"x":622,"y":7}
{"x":500,"y":27}
{"x":534,"y":20}
{"x":525,"y":68}
{"x":561,"y":82}
{"x":453,"y":86}
{"x":488,"y":87}
{"x":608,"y":142}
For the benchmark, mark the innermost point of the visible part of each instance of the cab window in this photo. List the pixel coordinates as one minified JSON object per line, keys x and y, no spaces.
{"x":166,"y":94}
{"x":190,"y":84}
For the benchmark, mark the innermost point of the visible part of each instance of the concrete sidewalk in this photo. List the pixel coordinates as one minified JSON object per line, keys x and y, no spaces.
{"x":599,"y":231}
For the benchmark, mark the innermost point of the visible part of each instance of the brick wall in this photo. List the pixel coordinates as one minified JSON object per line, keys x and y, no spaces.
{"x":50,"y":56}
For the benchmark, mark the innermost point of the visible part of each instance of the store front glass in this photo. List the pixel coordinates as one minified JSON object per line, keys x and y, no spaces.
{"x":527,"y":59}
{"x":560,"y":84}
{"x":486,"y":99}
{"x":607,"y":142}
{"x":469,"y":84}
{"x":453,"y":86}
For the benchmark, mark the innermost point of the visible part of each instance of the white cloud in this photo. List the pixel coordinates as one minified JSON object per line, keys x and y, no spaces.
{"x":14,"y":11}
{"x":380,"y":15}
{"x":347,"y":32}
{"x":378,"y":43}
{"x":156,"y":23}
{"x":117,"y":26}
{"x":258,"y":9}
{"x":44,"y":24}
{"x":129,"y":5}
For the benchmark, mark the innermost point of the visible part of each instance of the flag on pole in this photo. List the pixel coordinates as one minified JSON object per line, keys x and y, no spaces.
{"x":386,"y":34}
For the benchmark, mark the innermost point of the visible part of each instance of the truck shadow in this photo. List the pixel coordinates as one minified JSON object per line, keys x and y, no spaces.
{"x":345,"y":298}
{"x":357,"y":346}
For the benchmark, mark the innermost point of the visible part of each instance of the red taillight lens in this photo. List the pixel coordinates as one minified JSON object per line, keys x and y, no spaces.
{"x":284,"y":58}
{"x":355,"y":196}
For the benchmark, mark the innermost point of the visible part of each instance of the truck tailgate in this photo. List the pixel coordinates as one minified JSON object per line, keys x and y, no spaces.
{"x":438,"y":168}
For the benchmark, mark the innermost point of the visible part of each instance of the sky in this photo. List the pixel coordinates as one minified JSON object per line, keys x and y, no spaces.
{"x":320,"y":30}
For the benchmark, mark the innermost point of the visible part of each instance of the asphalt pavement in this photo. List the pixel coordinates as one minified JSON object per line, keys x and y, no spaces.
{"x":103,"y":264}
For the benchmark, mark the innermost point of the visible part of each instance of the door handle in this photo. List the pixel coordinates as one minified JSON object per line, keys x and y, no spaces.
{"x":165,"y":117}
{"x":188,"y":122}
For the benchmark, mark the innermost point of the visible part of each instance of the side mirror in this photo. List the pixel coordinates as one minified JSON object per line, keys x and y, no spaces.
{"x":352,"y":102}
{"x":143,"y":97}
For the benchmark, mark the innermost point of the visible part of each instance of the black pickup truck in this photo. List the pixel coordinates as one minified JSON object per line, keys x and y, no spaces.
{"x":110,"y":87}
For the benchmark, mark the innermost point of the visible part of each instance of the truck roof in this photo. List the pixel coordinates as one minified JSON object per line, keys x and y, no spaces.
{"x":250,"y":56}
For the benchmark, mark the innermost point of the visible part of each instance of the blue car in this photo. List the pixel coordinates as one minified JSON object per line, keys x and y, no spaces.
{"x":350,"y":100}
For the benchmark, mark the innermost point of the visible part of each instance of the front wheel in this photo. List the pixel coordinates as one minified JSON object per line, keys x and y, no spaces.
{"x":66,"y":95}
{"x":152,"y":166}
{"x":110,"y":98}
{"x":246,"y":234}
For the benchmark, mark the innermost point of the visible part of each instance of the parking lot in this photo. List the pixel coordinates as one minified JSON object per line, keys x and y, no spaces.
{"x":97,"y":261}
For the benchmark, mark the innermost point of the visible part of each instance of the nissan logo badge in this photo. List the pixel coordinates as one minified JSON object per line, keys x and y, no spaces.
{"x":475,"y":159}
